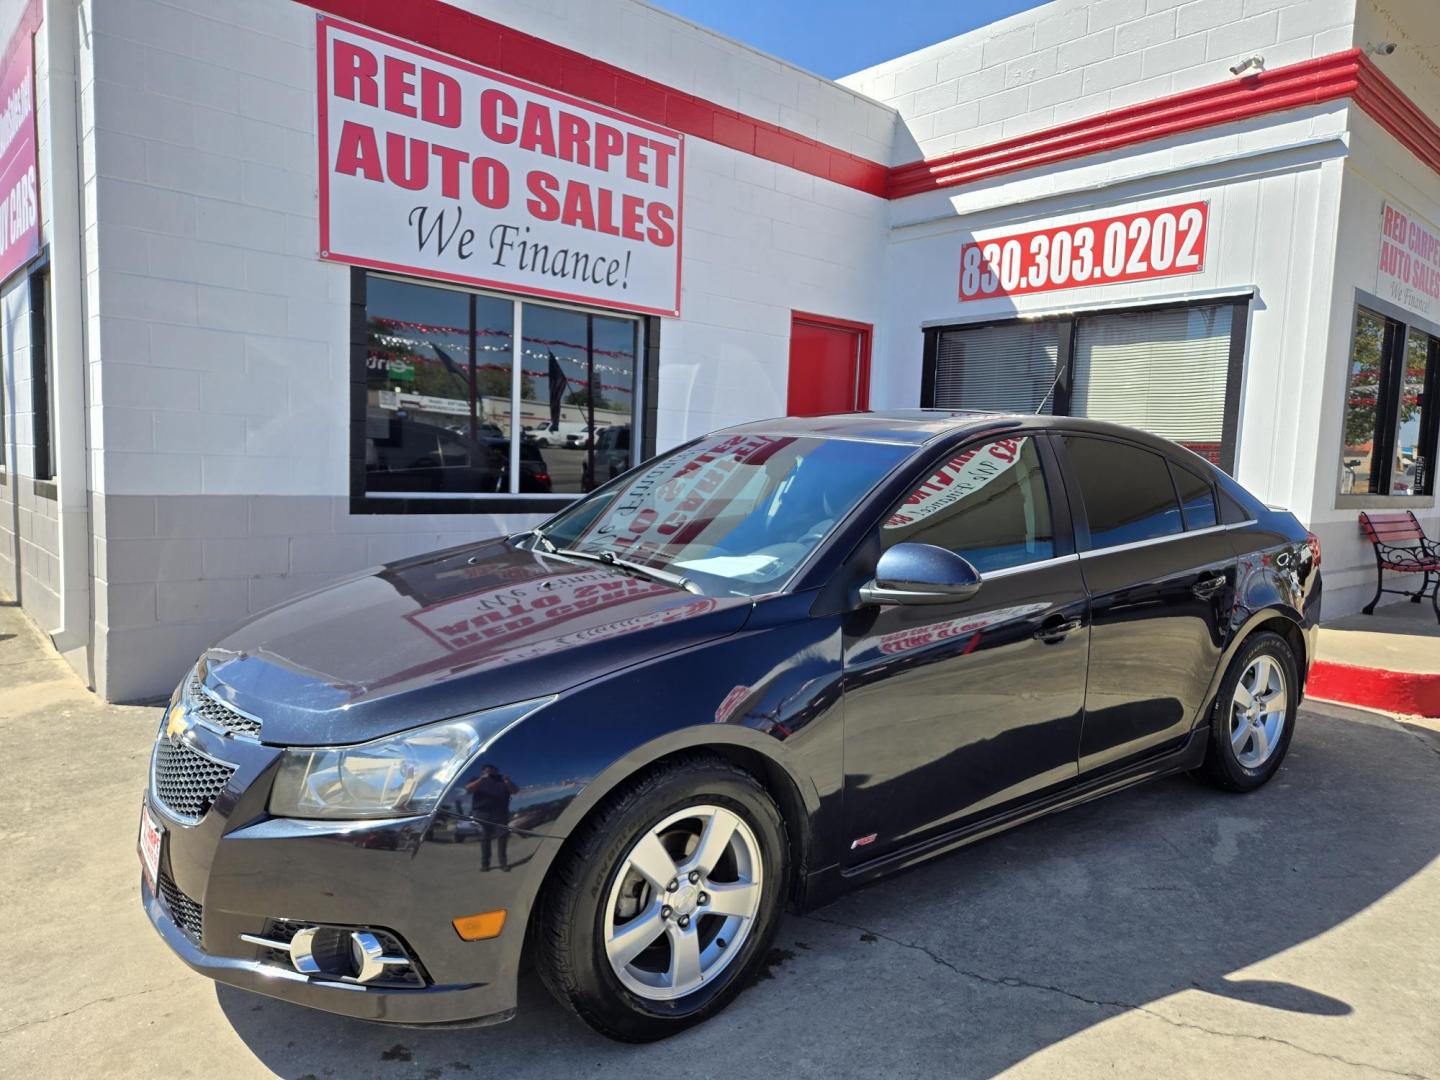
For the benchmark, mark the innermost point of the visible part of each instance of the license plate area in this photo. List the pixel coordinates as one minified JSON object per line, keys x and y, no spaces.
{"x":151,"y":835}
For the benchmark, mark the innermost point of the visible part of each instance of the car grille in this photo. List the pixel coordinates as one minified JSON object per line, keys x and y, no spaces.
{"x":185,"y":781}
{"x":215,"y":713}
{"x":188,"y":914}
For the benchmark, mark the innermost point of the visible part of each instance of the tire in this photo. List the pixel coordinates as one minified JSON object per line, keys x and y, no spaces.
{"x":1234,"y":760}
{"x":596,"y":882}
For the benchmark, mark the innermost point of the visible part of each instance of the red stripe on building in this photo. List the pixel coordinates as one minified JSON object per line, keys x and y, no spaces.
{"x":1387,"y":105}
{"x":1310,"y":82}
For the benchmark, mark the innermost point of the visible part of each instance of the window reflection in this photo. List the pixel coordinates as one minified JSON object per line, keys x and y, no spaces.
{"x":433,"y":389}
{"x":1361,"y":395}
{"x":1410,"y":474}
{"x":577,"y":384}
{"x":439,"y":374}
{"x":988,"y":503}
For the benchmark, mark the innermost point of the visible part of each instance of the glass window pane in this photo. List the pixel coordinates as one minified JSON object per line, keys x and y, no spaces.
{"x":987,"y":503}
{"x":735,"y":514}
{"x":1127,"y":491}
{"x":431,"y":425}
{"x":570,"y":393}
{"x":1412,"y":472}
{"x":1357,"y":465}
{"x":615,"y":345}
{"x":1197,"y":498}
{"x":1007,"y":368}
{"x":1161,"y":371}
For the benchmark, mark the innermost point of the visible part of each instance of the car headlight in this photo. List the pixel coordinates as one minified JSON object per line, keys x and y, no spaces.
{"x":397,"y":776}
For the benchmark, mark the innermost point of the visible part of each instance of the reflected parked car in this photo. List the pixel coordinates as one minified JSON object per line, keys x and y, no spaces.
{"x":555,"y":434}
{"x":612,"y":456}
{"x":534,"y":472}
{"x":772,"y":664}
{"x":410,"y":455}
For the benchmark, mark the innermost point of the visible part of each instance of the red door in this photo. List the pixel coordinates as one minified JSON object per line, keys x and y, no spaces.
{"x":829,"y":365}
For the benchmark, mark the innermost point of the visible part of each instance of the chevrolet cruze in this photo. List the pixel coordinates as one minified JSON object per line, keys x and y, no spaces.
{"x":780,"y":660}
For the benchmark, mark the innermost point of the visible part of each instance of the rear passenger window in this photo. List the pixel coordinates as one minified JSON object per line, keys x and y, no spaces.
{"x":1127,"y":491}
{"x":986,"y":503}
{"x":1197,"y":498}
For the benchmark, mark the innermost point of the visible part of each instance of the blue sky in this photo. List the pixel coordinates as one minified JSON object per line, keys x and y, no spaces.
{"x":836,"y":37}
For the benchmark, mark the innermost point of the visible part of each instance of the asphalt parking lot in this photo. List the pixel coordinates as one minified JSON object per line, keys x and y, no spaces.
{"x":1168,"y":931}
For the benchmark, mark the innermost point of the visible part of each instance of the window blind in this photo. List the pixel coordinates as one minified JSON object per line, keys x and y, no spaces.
{"x":1160,"y":371}
{"x":1009,"y":368}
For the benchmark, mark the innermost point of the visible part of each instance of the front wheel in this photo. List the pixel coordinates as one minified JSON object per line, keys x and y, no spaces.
{"x":664,"y":906}
{"x":1254,"y":715}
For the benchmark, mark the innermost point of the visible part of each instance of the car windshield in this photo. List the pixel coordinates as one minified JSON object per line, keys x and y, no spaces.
{"x":733,"y":514}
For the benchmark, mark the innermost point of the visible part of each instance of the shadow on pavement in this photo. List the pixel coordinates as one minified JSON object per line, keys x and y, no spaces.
{"x":973,"y":963}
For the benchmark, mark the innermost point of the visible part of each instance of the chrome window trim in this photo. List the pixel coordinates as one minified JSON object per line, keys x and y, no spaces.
{"x":1020,"y":568}
{"x":1060,"y":559}
{"x":1152,"y":541}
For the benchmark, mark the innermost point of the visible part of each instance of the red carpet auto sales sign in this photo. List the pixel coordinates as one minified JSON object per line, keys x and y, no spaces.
{"x":433,"y":166}
{"x":19,"y":198}
{"x":1409,"y":273}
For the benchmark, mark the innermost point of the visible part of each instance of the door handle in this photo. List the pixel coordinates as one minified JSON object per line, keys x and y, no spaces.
{"x":1056,"y":627}
{"x":1207,"y":587}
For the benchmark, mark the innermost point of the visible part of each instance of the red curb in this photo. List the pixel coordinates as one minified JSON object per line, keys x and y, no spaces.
{"x":1408,"y":692}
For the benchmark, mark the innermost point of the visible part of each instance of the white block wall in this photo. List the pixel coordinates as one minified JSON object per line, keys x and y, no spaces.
{"x":1072,"y":59}
{"x":223,"y":477}
{"x":29,"y":523}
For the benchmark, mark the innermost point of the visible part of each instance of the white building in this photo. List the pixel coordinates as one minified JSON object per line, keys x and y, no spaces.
{"x":298,"y":274}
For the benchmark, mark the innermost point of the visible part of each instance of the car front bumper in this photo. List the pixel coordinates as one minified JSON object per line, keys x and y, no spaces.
{"x":237,"y":871}
{"x":477,"y":1004}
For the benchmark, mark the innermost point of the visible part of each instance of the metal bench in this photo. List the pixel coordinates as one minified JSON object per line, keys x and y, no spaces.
{"x":1402,"y":547}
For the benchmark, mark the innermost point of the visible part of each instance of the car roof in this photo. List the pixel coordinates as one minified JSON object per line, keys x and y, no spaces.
{"x":916,"y":427}
{"x":907,"y":426}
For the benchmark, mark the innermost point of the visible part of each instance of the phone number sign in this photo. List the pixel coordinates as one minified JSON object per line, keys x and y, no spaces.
{"x":1159,"y":243}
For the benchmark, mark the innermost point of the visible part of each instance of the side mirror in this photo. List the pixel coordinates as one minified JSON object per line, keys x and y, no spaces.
{"x":921,"y":574}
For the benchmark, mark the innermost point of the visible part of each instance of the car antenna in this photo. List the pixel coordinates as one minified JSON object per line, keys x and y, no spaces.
{"x":1041,"y":407}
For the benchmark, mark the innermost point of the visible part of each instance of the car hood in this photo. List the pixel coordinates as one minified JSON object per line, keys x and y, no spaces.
{"x":447,"y":634}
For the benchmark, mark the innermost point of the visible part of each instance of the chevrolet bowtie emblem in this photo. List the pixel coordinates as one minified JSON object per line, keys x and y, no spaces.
{"x":176,"y":724}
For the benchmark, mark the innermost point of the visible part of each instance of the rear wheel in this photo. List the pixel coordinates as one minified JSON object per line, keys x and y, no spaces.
{"x":665,"y":905}
{"x":1254,"y":715}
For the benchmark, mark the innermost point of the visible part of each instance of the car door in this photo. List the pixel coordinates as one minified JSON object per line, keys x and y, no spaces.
{"x":1160,"y":579}
{"x":953,"y":711}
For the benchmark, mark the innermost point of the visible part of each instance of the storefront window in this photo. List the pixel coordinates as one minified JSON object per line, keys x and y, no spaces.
{"x":1170,"y":370}
{"x":1414,"y":463}
{"x":1357,"y":454}
{"x":577,"y":394}
{"x":440,"y":390}
{"x":1161,"y":371}
{"x":1390,"y":420}
{"x":1005,"y":368}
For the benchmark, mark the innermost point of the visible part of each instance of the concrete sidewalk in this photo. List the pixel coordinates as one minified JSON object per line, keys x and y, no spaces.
{"x":1389,"y":660}
{"x":1171,"y":930}
{"x":1398,"y":637}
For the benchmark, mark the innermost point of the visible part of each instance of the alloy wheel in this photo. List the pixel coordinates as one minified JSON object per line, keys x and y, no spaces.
{"x":1257,"y":714}
{"x":683,"y":903}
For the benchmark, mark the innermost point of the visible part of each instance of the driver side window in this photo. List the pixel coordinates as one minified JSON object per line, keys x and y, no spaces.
{"x":987,"y":503}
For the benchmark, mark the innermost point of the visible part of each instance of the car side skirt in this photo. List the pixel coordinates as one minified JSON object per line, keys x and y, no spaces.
{"x":822,"y":886}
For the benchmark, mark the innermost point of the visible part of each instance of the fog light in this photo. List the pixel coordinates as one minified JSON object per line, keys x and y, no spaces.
{"x":487,"y":924}
{"x":342,"y":953}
